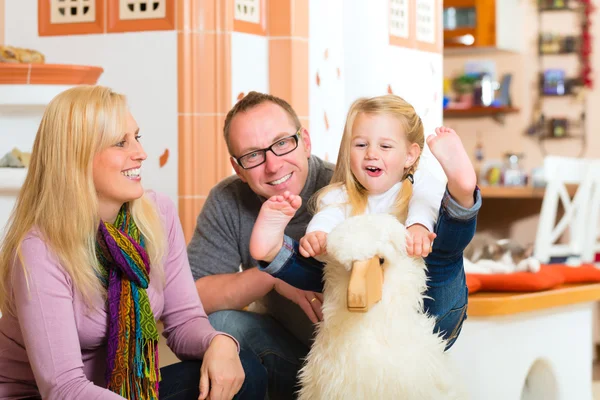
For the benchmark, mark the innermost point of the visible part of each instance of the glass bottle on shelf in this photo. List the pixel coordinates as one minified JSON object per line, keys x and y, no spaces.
{"x":513,"y":173}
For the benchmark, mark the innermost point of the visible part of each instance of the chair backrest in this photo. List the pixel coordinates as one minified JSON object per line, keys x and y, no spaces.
{"x":591,"y":239}
{"x":559,"y":172}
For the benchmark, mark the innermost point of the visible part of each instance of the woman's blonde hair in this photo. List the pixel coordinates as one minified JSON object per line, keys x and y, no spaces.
{"x":58,"y":199}
{"x":343,"y":177}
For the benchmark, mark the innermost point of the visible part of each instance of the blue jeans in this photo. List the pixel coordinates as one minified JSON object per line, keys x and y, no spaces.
{"x":269,"y":344}
{"x":447,"y":294}
{"x":181,"y":381}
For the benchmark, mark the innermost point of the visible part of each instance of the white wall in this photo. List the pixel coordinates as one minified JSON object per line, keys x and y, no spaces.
{"x":249,"y":64}
{"x":326,"y":60}
{"x":356,"y":35}
{"x":141,"y":65}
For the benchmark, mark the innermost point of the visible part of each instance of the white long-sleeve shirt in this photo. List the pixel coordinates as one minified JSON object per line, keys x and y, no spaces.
{"x":423,"y":207}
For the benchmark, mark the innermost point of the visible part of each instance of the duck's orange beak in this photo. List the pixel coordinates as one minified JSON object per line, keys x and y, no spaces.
{"x":365,"y":287}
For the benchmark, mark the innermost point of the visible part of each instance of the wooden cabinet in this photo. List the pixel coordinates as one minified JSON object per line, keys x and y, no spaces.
{"x":492,"y":24}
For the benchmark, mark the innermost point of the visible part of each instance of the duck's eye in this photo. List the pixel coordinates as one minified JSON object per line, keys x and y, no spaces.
{"x":381,"y":260}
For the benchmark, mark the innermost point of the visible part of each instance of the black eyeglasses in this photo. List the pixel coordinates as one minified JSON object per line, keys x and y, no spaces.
{"x":280,"y":148}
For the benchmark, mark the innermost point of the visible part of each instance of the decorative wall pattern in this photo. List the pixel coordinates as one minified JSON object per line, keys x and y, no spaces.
{"x":249,"y":16}
{"x":415,"y":24}
{"x":75,"y":17}
{"x":401,"y":22}
{"x":78,"y":17}
{"x":248,"y":10}
{"x":425,"y":21}
{"x":74,"y":11}
{"x":140,"y":15}
{"x":428,"y":25}
{"x":142,"y":9}
{"x":204,"y":30}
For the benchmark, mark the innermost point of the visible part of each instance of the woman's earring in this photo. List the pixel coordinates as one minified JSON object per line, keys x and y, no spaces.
{"x":411,"y":178}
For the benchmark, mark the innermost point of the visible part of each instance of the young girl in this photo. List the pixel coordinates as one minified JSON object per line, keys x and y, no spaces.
{"x":382,"y":142}
{"x":91,"y":261}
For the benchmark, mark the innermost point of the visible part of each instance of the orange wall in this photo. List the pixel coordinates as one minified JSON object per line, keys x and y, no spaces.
{"x":498,"y":139}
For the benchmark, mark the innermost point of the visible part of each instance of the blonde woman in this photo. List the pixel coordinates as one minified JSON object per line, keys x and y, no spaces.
{"x":90,"y":262}
{"x":375,"y":173}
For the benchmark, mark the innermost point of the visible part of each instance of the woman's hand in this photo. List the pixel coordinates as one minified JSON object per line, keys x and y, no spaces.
{"x":221,"y":374}
{"x":420,"y":241}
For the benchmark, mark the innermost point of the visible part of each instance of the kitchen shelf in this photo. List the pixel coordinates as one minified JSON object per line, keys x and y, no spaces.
{"x":556,"y":9}
{"x":478,"y":111}
{"x":11,"y":179}
{"x":566,"y":95}
{"x":518,"y":192}
{"x":52,"y":74}
{"x":561,"y":52}
{"x":549,"y":137}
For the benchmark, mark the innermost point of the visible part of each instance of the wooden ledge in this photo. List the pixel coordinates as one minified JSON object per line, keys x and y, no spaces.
{"x":48,"y":74}
{"x":519,"y":192}
{"x":484,"y":304}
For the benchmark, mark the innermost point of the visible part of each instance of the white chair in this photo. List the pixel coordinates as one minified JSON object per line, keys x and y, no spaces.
{"x":520,"y":352}
{"x":559,"y":172}
{"x":591,"y":239}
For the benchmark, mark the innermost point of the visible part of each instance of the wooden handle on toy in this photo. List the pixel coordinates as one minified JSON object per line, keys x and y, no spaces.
{"x":365,"y":286}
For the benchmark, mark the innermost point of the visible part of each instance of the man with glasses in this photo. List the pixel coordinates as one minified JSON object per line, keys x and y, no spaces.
{"x":270,"y":153}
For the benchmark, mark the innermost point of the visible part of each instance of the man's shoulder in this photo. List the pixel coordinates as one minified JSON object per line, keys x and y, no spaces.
{"x":229,"y":188}
{"x":231,"y":196}
{"x":324,"y":168}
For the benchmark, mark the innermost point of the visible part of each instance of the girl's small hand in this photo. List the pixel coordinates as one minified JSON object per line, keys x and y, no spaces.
{"x":313,"y":244}
{"x":419,"y":241}
{"x":221,"y":374}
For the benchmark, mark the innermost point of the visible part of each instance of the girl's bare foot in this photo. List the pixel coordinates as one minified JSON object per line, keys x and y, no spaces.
{"x":267,"y":235}
{"x":447,"y":147}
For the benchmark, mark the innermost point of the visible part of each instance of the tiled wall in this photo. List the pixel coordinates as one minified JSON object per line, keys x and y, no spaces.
{"x":288,"y":53}
{"x":204,"y":86}
{"x":142,"y":65}
{"x":226,"y":49}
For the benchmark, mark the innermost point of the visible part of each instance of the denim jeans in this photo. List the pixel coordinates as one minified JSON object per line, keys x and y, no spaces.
{"x":447,"y":294}
{"x":181,"y":381}
{"x":279,"y":353}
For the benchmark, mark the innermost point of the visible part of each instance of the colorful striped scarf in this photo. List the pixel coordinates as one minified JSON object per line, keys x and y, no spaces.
{"x":132,"y":360}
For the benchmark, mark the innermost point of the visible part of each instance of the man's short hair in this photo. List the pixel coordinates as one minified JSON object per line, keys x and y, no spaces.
{"x":252,"y":100}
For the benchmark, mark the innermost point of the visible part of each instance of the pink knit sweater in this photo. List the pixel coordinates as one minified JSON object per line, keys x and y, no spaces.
{"x":56,"y":346}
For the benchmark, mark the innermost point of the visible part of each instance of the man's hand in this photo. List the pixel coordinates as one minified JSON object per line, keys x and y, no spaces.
{"x":309,"y":302}
{"x":419,"y":241}
{"x":313,"y":244}
{"x":221,"y":374}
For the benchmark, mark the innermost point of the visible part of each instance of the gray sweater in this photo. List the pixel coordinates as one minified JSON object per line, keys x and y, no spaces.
{"x":222,"y":236}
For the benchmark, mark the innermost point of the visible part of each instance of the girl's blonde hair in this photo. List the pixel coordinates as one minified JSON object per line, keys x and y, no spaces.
{"x":343,"y":177}
{"x":58,"y":199}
